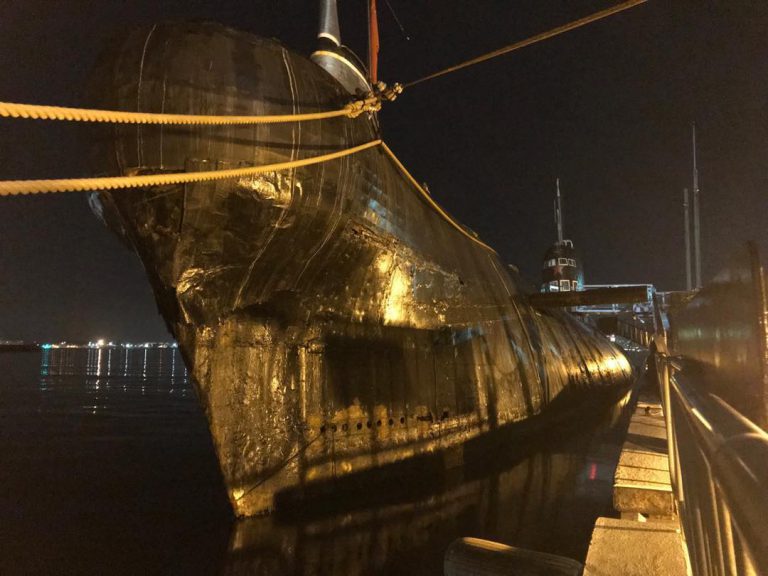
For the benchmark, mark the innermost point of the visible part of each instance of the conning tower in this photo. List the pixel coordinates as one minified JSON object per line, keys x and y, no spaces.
{"x":561,"y":270}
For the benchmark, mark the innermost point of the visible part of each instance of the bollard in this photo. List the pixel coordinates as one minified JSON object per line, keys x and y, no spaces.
{"x":476,"y":557}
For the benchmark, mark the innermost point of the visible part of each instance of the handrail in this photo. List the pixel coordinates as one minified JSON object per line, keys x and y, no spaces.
{"x":719,"y":470}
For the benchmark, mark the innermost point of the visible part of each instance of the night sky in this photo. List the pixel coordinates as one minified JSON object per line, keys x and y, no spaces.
{"x":607,"y":108}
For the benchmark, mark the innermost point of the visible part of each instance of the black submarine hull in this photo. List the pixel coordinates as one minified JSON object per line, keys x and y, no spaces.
{"x":334,"y":319}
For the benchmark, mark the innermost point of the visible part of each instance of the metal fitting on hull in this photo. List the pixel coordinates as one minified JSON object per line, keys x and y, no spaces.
{"x":335,"y":58}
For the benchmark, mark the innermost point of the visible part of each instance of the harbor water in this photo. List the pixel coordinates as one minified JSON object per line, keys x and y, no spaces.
{"x":108,"y":467}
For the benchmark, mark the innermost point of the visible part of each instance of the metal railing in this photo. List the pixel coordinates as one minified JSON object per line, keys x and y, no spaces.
{"x":718,"y":464}
{"x":638,"y":329}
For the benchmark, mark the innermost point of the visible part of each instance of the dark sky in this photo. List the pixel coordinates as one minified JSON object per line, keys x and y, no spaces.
{"x":606,"y":108}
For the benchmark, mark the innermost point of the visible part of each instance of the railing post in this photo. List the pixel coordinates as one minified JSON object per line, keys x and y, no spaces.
{"x":726,"y":532}
{"x":665,"y":365}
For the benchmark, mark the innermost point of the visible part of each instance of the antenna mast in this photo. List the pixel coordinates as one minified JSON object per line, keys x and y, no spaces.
{"x":373,"y":42}
{"x":559,"y":214}
{"x":687,"y":211}
{"x":696,"y":224}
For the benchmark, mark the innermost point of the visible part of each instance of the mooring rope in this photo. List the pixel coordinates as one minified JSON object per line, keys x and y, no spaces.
{"x":20,"y":187}
{"x":370,"y":103}
{"x":25,"y":187}
{"x":428,"y":198}
{"x":532,"y":40}
{"x":39,"y":112}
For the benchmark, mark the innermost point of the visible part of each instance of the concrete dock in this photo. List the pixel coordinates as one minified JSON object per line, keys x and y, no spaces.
{"x":646,"y":540}
{"x":642,"y":484}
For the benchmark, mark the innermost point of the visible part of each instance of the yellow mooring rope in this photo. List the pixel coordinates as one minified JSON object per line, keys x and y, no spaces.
{"x":428,"y":198}
{"x":351,"y":110}
{"x":19,"y":187}
{"x":38,"y":112}
{"x":24,"y":187}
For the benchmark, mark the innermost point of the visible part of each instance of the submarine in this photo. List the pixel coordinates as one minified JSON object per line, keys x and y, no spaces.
{"x":334,"y":319}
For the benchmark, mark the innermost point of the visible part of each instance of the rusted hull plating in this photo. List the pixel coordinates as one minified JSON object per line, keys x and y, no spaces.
{"x":333,"y":320}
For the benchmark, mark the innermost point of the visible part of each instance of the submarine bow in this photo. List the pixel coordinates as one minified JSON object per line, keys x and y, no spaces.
{"x":333,"y":319}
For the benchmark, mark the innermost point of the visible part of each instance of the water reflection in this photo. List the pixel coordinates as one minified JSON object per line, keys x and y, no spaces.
{"x":90,"y":458}
{"x":113,"y":369}
{"x":97,"y":478}
{"x":545,"y":496}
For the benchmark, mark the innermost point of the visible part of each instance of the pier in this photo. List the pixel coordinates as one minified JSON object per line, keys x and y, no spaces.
{"x":690,"y":489}
{"x":646,"y":539}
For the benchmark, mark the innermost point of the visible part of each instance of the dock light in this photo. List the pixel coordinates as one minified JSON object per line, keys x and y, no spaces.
{"x":100,"y":342}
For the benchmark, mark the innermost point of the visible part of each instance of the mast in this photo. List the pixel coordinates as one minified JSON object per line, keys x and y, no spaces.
{"x":329,"y":22}
{"x":559,"y":214}
{"x":696,"y":224}
{"x":373,"y":42}
{"x":687,"y":212}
